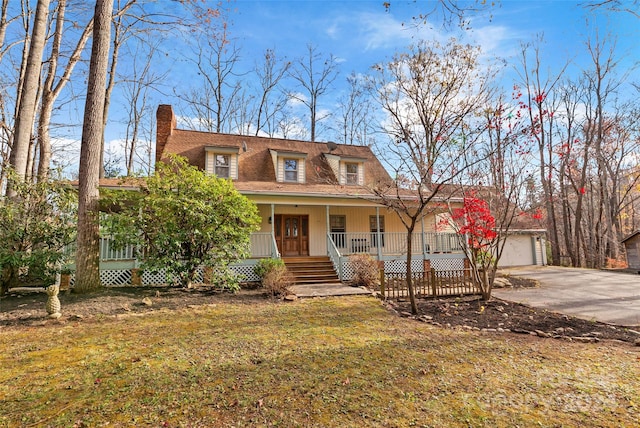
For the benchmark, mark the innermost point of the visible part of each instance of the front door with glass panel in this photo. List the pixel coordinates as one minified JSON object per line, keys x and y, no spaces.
{"x":292,"y":234}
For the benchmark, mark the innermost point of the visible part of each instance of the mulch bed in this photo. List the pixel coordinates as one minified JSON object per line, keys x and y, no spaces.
{"x":496,"y":315}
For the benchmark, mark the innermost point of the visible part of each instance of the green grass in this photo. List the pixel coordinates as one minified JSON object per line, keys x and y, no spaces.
{"x":324,"y":362}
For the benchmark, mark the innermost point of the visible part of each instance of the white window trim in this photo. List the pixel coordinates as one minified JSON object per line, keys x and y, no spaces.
{"x":227,"y":167}
{"x":355,"y":177}
{"x":285,"y":170}
{"x":210,"y":161}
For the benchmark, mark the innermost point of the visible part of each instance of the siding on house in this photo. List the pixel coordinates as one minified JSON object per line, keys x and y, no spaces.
{"x":632,"y":245}
{"x":523,"y":250}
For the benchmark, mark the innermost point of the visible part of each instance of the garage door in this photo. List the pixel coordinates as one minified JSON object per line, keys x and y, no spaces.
{"x":518,"y":251}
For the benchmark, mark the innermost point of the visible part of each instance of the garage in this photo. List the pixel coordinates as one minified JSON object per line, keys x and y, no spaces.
{"x":524,"y":248}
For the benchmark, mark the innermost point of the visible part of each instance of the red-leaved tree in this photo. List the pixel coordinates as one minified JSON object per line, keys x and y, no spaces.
{"x":475,"y":222}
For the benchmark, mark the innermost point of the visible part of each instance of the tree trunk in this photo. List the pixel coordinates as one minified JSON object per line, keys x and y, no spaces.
{"x":25,"y":114}
{"x":409,"y":270}
{"x":88,"y":253}
{"x":52,"y":89}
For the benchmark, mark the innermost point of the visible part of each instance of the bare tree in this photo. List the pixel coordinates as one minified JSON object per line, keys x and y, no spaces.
{"x":88,"y":249}
{"x":213,"y":103}
{"x":536,"y":88}
{"x":314,"y":74}
{"x":354,"y":113}
{"x":121,"y":31}
{"x":290,"y":126}
{"x":52,"y":88}
{"x":272,"y":101}
{"x":26,"y":110}
{"x":601,"y":130}
{"x":6,"y":131}
{"x":137,"y":92}
{"x":431,"y":97}
{"x":632,"y":7}
{"x":450,"y":12}
{"x":495,"y":201}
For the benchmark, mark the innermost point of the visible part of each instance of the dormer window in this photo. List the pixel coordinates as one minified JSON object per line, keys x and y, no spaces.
{"x":291,"y":170}
{"x":222,"y":166}
{"x":352,"y":174}
{"x":222,"y":161}
{"x":289,"y":166}
{"x":350,"y":170}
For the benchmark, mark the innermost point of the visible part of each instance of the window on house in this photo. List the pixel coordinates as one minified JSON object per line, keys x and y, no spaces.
{"x":352,"y":173}
{"x":373,"y":227}
{"x":222,"y":166}
{"x":338,"y":224}
{"x":291,"y":170}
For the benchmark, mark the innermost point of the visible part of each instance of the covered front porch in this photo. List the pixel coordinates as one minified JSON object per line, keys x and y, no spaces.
{"x":339,"y":228}
{"x":392,"y":244}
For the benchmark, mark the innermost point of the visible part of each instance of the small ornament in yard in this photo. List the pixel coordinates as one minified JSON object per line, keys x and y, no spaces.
{"x":53,"y":303}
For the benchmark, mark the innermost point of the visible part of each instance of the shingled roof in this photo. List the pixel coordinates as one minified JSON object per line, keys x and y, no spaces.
{"x":256,"y":171}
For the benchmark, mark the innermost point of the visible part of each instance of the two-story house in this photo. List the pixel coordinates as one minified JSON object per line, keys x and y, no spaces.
{"x":315,"y":199}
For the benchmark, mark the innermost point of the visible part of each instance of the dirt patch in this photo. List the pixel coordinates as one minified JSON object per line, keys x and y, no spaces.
{"x":499,"y":315}
{"x":28,"y":308}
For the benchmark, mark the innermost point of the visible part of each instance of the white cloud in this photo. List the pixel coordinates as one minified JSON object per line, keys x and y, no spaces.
{"x":295,"y":100}
{"x":497,"y":41}
{"x":383,"y":31}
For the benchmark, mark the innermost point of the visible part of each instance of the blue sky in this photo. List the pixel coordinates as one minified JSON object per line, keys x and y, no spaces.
{"x":362,"y":33}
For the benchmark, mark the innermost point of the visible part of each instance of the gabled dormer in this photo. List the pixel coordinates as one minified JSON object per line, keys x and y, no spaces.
{"x":290,"y":166}
{"x":349,"y":170}
{"x":222,"y":161}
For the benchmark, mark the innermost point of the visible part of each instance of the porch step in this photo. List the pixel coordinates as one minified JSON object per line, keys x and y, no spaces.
{"x":312,"y":270}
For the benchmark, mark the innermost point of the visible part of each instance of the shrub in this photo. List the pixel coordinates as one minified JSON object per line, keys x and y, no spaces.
{"x":277,"y":281}
{"x":274,"y":276}
{"x":619,"y":263}
{"x":365,"y":270}
{"x":182,"y":219}
{"x":266,"y":265}
{"x":37,"y":225}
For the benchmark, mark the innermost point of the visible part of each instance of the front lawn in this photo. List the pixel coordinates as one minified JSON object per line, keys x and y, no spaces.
{"x":321,"y":362}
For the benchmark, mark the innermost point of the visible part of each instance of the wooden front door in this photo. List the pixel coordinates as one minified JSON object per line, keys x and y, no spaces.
{"x":292,"y":234}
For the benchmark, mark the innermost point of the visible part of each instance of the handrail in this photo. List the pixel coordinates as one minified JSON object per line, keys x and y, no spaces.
{"x":275,"y":254}
{"x":334,"y":255}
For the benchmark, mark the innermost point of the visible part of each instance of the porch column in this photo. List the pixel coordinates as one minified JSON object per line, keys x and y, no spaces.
{"x":378,"y":234}
{"x":328,"y":228}
{"x":424,"y":247}
{"x":274,"y":251}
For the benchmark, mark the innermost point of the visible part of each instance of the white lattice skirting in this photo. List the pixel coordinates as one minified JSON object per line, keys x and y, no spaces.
{"x":400,"y":266}
{"x":120,"y":277}
{"x":447,"y":264}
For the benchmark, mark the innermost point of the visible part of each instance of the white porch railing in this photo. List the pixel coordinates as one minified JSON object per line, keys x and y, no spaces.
{"x":394,"y":243}
{"x":263,"y":245}
{"x":107,"y":251}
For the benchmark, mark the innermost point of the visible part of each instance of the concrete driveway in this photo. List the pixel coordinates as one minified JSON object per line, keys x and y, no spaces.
{"x":612,"y":297}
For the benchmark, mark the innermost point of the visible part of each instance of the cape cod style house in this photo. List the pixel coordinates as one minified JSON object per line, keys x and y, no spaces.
{"x":317,"y":208}
{"x":314,"y":201}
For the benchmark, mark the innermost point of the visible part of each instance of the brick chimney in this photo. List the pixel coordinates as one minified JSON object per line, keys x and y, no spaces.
{"x":165,"y":124}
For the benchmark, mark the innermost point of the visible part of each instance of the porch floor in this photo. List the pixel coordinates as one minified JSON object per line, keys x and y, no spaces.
{"x":327,"y":290}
